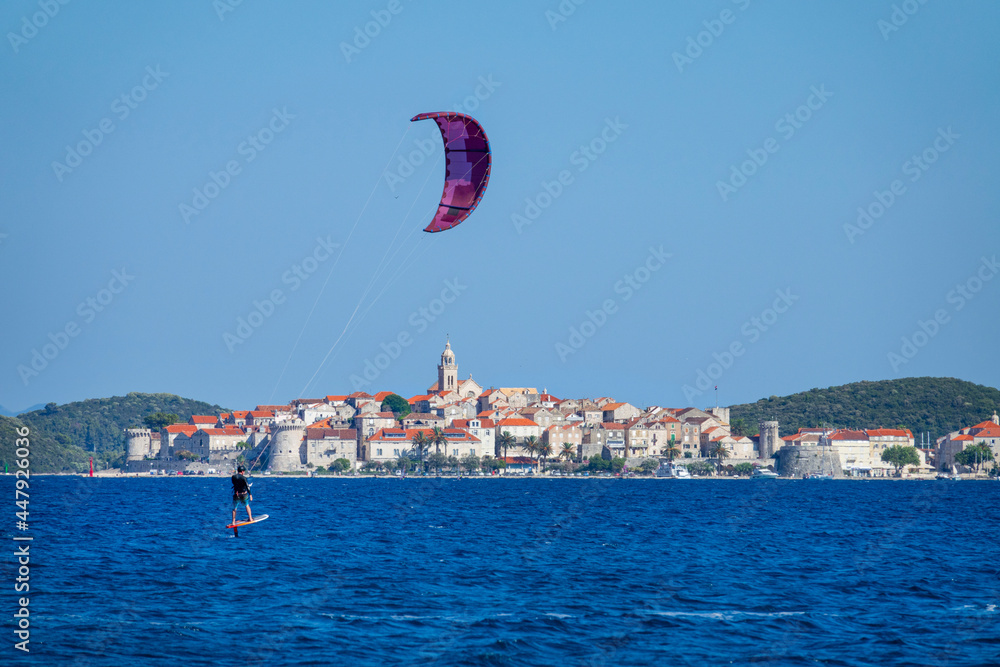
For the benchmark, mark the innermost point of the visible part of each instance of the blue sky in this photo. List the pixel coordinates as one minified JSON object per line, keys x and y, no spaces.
{"x":745,"y":158}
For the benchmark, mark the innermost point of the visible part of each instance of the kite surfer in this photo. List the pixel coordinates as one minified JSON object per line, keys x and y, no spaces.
{"x":241,"y":493}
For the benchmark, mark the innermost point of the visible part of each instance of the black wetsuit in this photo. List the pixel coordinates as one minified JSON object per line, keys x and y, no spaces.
{"x":240,"y":487}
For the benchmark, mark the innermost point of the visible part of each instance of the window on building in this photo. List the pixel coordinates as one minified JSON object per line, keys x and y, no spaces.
{"x":378,"y":452}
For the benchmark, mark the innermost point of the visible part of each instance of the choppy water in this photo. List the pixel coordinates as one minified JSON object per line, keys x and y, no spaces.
{"x":512,"y":572}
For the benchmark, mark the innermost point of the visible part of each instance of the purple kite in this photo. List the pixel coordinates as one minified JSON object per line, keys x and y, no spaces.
{"x":467,"y":167}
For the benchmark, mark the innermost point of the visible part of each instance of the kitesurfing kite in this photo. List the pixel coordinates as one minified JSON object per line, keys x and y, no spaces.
{"x":467,"y":167}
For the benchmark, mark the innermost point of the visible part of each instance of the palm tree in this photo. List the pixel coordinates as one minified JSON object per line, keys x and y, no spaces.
{"x":505,"y":441}
{"x":672,"y":451}
{"x":438,"y":438}
{"x":720,"y":452}
{"x":531,"y":446}
{"x":421,"y":444}
{"x":568,"y":451}
{"x":544,"y":450}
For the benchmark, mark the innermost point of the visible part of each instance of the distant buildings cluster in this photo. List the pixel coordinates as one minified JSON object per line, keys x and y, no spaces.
{"x":313,"y":433}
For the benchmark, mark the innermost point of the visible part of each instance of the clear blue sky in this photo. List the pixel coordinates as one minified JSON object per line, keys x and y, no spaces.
{"x":878,"y":97}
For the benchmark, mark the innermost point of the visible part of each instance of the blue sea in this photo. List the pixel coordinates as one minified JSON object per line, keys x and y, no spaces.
{"x":510,"y":572}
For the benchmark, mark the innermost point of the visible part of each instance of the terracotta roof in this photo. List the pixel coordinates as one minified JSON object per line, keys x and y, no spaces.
{"x":963,"y":437}
{"x":261,"y":413}
{"x":204,"y":419}
{"x":240,"y":414}
{"x":612,"y":426}
{"x":517,"y":421}
{"x":613,"y":406}
{"x":336,"y":397}
{"x":464,"y":423}
{"x":848,"y":435}
{"x":381,"y":396}
{"x":188,"y":429}
{"x":986,"y":424}
{"x":360,"y":394}
{"x":989,"y":432}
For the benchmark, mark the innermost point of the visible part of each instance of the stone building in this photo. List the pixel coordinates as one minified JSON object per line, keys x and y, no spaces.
{"x":326,"y":445}
{"x":217,"y":445}
{"x":987,"y":432}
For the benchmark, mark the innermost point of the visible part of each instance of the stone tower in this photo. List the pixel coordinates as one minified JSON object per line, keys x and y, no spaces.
{"x":286,"y":444}
{"x":138,"y":443}
{"x":769,"y":441}
{"x":448,"y":370}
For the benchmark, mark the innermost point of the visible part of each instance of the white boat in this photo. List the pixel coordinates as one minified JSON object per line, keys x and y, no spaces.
{"x":673,"y":471}
{"x":764,"y":473}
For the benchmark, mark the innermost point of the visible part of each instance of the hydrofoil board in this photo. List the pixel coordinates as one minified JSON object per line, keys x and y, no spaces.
{"x":247,"y":523}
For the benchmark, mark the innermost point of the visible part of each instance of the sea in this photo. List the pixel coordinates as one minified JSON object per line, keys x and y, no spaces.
{"x":486,"y":571}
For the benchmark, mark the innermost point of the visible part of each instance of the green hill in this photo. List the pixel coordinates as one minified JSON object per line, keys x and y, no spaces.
{"x":46,"y":454}
{"x":937,"y":405}
{"x":66,"y":434}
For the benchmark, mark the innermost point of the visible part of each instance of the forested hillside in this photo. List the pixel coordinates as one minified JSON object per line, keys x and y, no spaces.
{"x":937,"y":405}
{"x":67,"y":432}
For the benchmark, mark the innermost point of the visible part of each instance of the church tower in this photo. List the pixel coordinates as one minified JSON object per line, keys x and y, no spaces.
{"x":448,"y":370}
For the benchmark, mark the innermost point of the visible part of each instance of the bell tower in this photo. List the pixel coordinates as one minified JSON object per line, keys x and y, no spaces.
{"x":448,"y":370}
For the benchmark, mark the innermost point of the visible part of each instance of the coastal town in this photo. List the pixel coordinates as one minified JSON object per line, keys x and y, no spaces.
{"x":460,"y":425}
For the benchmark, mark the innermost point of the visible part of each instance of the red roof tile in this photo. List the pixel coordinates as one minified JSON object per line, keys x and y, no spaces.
{"x":204,"y":419}
{"x":517,"y":421}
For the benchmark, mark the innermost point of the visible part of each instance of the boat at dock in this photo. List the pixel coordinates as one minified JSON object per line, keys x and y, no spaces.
{"x":673,"y":471}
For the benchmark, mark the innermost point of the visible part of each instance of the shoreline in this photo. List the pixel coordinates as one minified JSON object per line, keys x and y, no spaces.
{"x":911,"y":478}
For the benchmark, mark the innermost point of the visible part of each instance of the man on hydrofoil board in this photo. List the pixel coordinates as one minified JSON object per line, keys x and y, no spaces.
{"x":241,"y":493}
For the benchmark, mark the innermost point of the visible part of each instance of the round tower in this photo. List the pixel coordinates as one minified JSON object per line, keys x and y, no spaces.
{"x":769,"y":442}
{"x":137,"y":444}
{"x":286,"y":443}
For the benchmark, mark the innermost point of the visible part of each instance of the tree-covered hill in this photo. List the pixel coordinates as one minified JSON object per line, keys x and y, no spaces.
{"x":936,"y":405}
{"x":96,"y":425}
{"x":45,"y":453}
